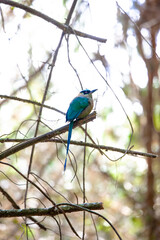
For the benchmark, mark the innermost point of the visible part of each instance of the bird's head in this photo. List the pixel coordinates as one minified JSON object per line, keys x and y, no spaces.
{"x":87,"y":93}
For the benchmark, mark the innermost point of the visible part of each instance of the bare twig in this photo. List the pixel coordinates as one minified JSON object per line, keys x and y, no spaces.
{"x":30,"y":102}
{"x":84,"y":184}
{"x":70,"y":63}
{"x":2,"y":19}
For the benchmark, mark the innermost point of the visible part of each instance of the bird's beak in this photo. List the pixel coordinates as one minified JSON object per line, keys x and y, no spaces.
{"x":94,"y":90}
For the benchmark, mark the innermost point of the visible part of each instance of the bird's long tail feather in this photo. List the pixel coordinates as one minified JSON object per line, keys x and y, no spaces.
{"x":68,"y":142}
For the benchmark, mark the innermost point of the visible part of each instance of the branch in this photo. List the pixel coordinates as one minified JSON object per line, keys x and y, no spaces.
{"x":51,"y":20}
{"x":31,"y":102}
{"x":52,"y":211}
{"x":45,"y":136}
{"x":106,"y":148}
{"x":91,"y":145}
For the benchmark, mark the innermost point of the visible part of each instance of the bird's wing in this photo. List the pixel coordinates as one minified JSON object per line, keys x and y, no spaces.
{"x":76,"y":107}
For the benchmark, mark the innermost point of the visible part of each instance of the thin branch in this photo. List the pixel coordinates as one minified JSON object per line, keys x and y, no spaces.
{"x":70,"y":63}
{"x":61,"y":26}
{"x":31,"y":102}
{"x":91,"y":139}
{"x":106,"y":148}
{"x":45,"y":136}
{"x":2,"y":19}
{"x":38,"y":178}
{"x":84,"y":184}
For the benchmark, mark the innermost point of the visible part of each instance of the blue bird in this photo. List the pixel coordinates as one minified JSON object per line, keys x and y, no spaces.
{"x":80,"y":107}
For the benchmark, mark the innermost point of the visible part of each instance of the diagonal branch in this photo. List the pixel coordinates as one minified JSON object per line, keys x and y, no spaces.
{"x":45,"y":136}
{"x":61,"y":26}
{"x":31,"y":102}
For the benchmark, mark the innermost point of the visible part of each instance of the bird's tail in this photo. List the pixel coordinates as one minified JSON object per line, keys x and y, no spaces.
{"x":68,"y":142}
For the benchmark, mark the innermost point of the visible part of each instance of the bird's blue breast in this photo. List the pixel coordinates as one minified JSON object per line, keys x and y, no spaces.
{"x":77,"y":106}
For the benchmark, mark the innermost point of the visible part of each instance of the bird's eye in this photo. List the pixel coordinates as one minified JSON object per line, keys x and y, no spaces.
{"x":85,"y":91}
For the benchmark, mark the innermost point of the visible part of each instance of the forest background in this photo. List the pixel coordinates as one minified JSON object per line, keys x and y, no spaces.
{"x":49,"y":51}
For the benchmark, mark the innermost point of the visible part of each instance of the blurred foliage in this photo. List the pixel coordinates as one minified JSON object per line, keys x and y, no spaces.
{"x":156,"y":117}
